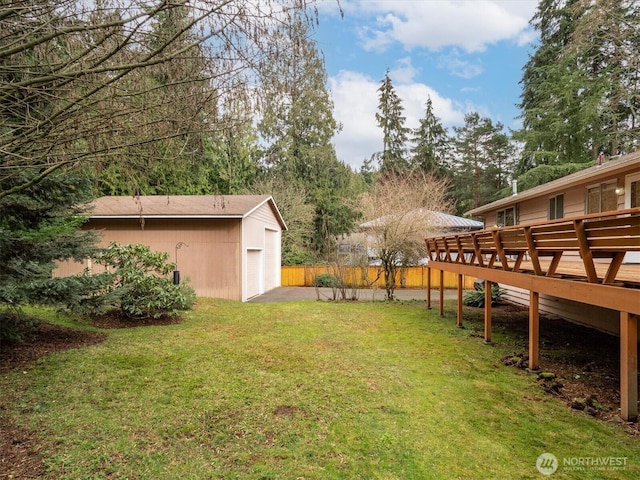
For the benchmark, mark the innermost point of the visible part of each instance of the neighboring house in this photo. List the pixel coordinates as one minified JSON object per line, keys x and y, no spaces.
{"x":225,"y":246}
{"x":439,"y":222}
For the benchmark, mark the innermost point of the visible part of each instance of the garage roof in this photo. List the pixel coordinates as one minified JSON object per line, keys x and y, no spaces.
{"x":183,"y":206}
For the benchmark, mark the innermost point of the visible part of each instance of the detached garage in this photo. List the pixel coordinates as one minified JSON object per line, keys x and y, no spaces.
{"x":225,"y":246}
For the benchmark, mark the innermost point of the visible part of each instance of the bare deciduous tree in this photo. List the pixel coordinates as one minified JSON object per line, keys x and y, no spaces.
{"x":83,"y":83}
{"x":399,"y":209}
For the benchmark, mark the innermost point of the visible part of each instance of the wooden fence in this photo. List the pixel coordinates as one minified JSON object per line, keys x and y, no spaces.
{"x":369,"y":277}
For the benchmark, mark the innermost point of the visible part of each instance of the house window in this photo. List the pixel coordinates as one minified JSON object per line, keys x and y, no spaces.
{"x":556,"y":207}
{"x":602,"y":198}
{"x":506,"y":217}
{"x":634,"y":194}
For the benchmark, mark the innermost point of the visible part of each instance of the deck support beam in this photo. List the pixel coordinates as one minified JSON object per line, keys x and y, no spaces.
{"x":429,"y":288}
{"x":459,"y":321}
{"x":441,"y":306}
{"x":487,"y":311}
{"x":534,"y":330}
{"x":628,"y":366}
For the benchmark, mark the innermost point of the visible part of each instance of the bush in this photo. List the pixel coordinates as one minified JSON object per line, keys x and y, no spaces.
{"x":143,"y":282}
{"x":326,"y":280}
{"x":475,"y":298}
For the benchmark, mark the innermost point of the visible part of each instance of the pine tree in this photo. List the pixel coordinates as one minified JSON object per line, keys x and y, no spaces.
{"x":391,"y":120}
{"x":231,"y":159}
{"x":483,"y":162}
{"x":431,"y":143}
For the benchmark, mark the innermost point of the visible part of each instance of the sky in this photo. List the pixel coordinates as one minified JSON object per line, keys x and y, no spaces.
{"x":466,"y":55}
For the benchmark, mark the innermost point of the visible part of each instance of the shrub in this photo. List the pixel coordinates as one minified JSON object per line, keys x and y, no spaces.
{"x":326,"y":280}
{"x":143,"y":282}
{"x":475,"y":298}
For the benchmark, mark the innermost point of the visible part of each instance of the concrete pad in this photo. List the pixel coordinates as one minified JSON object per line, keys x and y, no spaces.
{"x":290,"y":294}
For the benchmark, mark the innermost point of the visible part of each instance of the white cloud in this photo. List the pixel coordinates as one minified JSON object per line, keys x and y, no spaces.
{"x":404,"y":71}
{"x":355,"y":97}
{"x":468,"y":24}
{"x":355,"y":100}
{"x":456,"y":65}
{"x":454,"y":40}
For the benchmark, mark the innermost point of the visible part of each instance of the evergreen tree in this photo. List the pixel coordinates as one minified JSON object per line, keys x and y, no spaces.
{"x":391,"y":120}
{"x":174,"y":103}
{"x":89,"y":84}
{"x":368,"y":170}
{"x":483,"y":162}
{"x":231,"y":157}
{"x":297,"y":122}
{"x":580,"y":88}
{"x":606,"y":42}
{"x":431,"y":142}
{"x":38,"y":226}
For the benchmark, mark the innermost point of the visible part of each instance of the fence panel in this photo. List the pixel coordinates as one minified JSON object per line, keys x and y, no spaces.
{"x":409,"y":277}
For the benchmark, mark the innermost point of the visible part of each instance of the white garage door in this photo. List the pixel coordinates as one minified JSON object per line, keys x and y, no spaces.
{"x":254,"y":273}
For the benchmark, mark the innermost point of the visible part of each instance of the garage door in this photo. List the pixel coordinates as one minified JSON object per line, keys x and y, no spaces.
{"x":254,"y":273}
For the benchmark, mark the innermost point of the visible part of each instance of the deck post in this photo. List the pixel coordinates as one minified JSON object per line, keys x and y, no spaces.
{"x":429,"y":288}
{"x":628,"y":366}
{"x":441,"y":306}
{"x":459,"y":322}
{"x":534,"y":330}
{"x":487,"y":311}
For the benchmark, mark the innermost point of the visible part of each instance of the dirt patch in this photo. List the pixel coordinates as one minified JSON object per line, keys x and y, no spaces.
{"x":117,"y":321}
{"x":42,"y":340}
{"x":579,"y":365}
{"x":286,"y":411}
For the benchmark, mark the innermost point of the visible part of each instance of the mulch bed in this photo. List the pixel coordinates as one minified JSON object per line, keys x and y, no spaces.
{"x":582,"y":361}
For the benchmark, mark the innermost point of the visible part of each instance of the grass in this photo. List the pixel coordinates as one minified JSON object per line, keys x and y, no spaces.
{"x":310,"y":390}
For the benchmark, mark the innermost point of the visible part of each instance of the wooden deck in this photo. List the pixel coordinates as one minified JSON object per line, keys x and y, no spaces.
{"x":579,"y":259}
{"x":628,"y":274}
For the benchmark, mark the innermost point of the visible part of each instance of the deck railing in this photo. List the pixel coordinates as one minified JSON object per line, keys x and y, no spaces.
{"x":586,"y":238}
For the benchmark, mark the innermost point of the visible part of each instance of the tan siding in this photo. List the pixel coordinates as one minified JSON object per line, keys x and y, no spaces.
{"x":574,"y":202}
{"x":254,"y":273}
{"x":271,"y":260}
{"x":490,"y":219}
{"x":265,"y":215}
{"x":534,"y":210}
{"x":210,"y":262}
{"x":255,"y":224}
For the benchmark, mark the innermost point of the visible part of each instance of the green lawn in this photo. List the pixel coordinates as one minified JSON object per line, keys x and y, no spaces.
{"x":311,"y":390}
